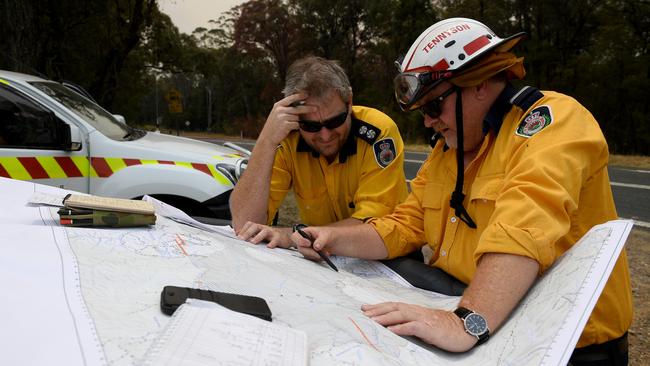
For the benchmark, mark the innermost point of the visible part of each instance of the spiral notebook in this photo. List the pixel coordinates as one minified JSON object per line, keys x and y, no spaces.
{"x":205,"y":333}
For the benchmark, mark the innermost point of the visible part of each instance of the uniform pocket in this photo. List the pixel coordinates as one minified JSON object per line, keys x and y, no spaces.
{"x":486,"y":188}
{"x":432,"y":201}
{"x":484,"y":193}
{"x":432,"y":196}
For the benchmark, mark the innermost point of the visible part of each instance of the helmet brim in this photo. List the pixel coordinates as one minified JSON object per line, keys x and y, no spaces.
{"x":510,"y":42}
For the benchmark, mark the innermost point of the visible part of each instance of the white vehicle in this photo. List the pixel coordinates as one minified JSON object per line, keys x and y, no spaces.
{"x":53,"y":135}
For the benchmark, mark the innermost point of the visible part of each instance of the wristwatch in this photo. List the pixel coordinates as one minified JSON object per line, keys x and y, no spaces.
{"x":474,"y":323}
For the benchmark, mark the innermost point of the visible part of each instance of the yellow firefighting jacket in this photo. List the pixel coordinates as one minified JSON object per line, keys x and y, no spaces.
{"x":534,"y":189}
{"x":366,"y":180}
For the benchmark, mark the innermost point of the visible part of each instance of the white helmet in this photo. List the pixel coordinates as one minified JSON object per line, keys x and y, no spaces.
{"x":443,"y":51}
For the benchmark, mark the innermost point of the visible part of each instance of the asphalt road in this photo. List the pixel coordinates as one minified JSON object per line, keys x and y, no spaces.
{"x":631,"y":187}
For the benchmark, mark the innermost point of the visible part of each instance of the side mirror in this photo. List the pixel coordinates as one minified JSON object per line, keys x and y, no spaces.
{"x":69,"y":136}
{"x":75,"y":138}
{"x":120,"y":118}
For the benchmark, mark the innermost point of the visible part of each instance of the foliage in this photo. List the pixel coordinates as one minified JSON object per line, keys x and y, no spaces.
{"x":129,"y":55}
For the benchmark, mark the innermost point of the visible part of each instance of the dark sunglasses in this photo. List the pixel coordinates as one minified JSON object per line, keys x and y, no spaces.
{"x":433,"y":108}
{"x":330,"y":124}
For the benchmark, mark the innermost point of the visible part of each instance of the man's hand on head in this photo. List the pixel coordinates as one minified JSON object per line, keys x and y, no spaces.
{"x":284,"y":118}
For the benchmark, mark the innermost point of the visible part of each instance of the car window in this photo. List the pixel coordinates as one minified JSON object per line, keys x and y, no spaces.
{"x":84,"y":108}
{"x":25,"y":124}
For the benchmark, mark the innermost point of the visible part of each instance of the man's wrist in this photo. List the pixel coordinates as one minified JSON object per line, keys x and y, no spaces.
{"x":266,"y":145}
{"x":473,"y":324}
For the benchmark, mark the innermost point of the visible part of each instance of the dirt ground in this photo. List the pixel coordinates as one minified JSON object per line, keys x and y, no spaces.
{"x":638,"y":251}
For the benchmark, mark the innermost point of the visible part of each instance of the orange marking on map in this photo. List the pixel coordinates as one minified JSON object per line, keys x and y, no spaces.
{"x":180,"y":242}
{"x":363,"y":334}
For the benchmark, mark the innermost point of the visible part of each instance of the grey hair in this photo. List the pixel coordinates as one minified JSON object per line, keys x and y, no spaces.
{"x":316,"y":76}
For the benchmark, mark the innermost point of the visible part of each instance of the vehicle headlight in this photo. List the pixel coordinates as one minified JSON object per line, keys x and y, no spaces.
{"x":233,"y":172}
{"x":228,"y":170}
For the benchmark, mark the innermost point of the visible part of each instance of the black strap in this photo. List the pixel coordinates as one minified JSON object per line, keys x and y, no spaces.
{"x":457,"y":197}
{"x":524,"y":99}
{"x":423,"y":276}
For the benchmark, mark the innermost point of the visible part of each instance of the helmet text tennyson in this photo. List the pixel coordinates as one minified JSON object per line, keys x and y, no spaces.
{"x":444,"y":34}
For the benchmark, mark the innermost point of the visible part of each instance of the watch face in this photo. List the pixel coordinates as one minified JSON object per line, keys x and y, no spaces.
{"x":475,"y":324}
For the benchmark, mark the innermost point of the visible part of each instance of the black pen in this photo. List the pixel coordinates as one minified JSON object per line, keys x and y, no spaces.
{"x":298,"y":228}
{"x":69,"y":212}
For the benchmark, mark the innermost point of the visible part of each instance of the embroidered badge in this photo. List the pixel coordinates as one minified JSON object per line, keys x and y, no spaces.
{"x":385,"y":152}
{"x":371,"y":134}
{"x":362,"y":130}
{"x":535,"y":121}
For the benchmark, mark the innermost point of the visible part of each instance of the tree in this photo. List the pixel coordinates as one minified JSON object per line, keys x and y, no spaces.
{"x":266,"y":29}
{"x":87,"y":41}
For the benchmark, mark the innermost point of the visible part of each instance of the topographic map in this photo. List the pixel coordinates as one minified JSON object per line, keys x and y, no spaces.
{"x":121,"y":272}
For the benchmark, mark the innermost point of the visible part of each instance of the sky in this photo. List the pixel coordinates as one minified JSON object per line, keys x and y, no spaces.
{"x":189,"y":14}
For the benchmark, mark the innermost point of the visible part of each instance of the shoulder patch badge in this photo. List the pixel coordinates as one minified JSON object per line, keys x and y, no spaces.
{"x":385,"y":151}
{"x":365,"y":131}
{"x":535,"y":121}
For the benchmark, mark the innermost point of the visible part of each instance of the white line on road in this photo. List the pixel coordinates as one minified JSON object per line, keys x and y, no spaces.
{"x":638,"y":171}
{"x":628,"y":185}
{"x":640,"y":223}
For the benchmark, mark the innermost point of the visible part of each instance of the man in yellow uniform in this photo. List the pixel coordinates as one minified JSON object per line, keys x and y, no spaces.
{"x":516,"y":177}
{"x":344,"y":163}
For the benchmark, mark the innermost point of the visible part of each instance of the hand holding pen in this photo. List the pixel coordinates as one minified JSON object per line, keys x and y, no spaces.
{"x":298,"y":228}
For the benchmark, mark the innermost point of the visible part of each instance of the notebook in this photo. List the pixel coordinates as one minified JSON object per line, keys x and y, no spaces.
{"x":108,"y":204}
{"x":206,"y":333}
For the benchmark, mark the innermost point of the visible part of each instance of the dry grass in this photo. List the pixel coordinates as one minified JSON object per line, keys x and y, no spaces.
{"x":631,"y":161}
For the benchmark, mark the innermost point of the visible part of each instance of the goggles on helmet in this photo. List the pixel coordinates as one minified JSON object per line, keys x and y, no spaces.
{"x":410,"y":87}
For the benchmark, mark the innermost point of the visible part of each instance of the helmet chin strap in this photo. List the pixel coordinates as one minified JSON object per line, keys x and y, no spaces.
{"x":457,"y":197}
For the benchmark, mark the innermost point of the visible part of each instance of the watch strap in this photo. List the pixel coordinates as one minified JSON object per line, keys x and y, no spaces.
{"x":462,"y":313}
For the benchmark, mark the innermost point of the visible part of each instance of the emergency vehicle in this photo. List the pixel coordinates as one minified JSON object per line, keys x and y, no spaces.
{"x":53,"y":135}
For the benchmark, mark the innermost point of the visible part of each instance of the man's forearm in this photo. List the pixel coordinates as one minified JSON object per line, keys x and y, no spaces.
{"x":500,"y":282}
{"x":350,"y":221}
{"x":358,"y":241}
{"x":249,"y":199}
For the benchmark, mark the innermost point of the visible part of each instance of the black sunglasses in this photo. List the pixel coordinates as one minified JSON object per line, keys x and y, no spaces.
{"x":433,"y":108}
{"x":330,"y":124}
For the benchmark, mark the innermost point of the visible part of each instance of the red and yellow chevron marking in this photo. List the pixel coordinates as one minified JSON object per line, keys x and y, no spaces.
{"x":59,"y":167}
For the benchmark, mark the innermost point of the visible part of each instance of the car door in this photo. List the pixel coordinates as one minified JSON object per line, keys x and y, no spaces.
{"x":34,"y":145}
